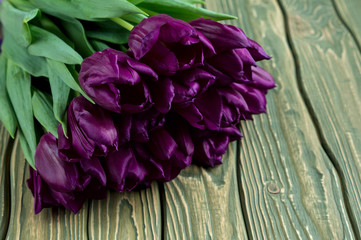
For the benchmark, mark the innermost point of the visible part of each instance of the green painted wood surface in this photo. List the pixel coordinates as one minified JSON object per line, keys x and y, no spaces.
{"x":332,"y":88}
{"x":134,"y":215}
{"x":5,"y":148}
{"x":204,"y":203}
{"x":295,"y":175}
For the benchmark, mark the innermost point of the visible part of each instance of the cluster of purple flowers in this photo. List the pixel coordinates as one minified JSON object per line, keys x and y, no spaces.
{"x":174,"y":98}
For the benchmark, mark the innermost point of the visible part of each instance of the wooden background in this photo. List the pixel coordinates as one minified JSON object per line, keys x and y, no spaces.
{"x":295,"y":175}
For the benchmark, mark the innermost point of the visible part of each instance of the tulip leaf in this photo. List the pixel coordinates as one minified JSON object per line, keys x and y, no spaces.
{"x":46,"y":44}
{"x":34,"y":65}
{"x":43,"y":112}
{"x":99,"y":45}
{"x":75,"y":31}
{"x":50,"y":26}
{"x":7,"y":114}
{"x":87,"y":9}
{"x":195,"y":1}
{"x":108,"y":31}
{"x":134,"y":18}
{"x":60,"y":70}
{"x":29,"y":156}
{"x":60,"y":92}
{"x":18,"y":84}
{"x":22,"y":4}
{"x":15,"y":22}
{"x":182,"y":10}
{"x":135,"y":2}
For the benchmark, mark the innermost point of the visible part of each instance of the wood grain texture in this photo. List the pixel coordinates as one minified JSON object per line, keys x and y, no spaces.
{"x":5,"y":147}
{"x":329,"y":70}
{"x":298,"y":171}
{"x":290,"y":189}
{"x":204,"y":203}
{"x":349,"y":11}
{"x":133,"y":215}
{"x":54,"y":223}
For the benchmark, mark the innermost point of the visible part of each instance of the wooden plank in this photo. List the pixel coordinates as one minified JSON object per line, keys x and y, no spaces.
{"x":5,"y":147}
{"x":54,"y":223}
{"x":330,"y":67}
{"x":349,"y":12}
{"x":204,"y":203}
{"x":290,"y":189}
{"x":133,"y":215}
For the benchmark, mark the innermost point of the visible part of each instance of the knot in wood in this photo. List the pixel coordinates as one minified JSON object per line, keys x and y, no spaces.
{"x":273,"y":188}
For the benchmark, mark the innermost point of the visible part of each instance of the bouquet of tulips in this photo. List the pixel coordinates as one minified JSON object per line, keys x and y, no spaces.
{"x":115,"y":94}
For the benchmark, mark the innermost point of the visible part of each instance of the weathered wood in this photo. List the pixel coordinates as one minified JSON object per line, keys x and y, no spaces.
{"x":329,"y":70}
{"x":134,"y":215}
{"x":54,"y":223}
{"x":204,"y":203}
{"x":290,"y":188}
{"x":299,"y":170}
{"x":5,"y":147}
{"x":349,"y":12}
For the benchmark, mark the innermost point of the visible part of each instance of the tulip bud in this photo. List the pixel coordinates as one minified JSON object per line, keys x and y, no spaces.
{"x":115,"y":81}
{"x":168,"y":45}
{"x":92,"y":131}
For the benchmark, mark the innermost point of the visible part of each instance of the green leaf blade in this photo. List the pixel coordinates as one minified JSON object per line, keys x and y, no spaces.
{"x":87,"y":9}
{"x":7,"y":114}
{"x":34,"y":65}
{"x":60,"y":69}
{"x":182,"y":10}
{"x":108,"y":31}
{"x":60,"y":93}
{"x":75,"y":31}
{"x":15,"y":22}
{"x":18,"y":84}
{"x":43,"y":112}
{"x":46,"y":44}
{"x":29,"y":155}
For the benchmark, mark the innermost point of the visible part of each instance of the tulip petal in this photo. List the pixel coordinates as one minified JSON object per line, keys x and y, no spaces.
{"x":42,"y":198}
{"x":178,"y":31}
{"x":142,"y":68}
{"x":116,"y":165}
{"x":223,"y":37}
{"x":124,"y":125}
{"x":161,"y":144}
{"x":60,"y":175}
{"x":161,"y":59}
{"x":144,"y":35}
{"x":257,"y":51}
{"x":93,"y":167}
{"x":162,"y":95}
{"x":210,"y":105}
{"x":255,"y":98}
{"x":92,"y":129}
{"x":261,"y":79}
{"x":191,"y":113}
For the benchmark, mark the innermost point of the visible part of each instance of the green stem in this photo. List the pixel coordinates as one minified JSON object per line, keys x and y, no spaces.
{"x":123,"y":23}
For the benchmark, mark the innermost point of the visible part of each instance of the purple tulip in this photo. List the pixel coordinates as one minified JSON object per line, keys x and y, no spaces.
{"x":224,"y":107}
{"x":211,"y":145}
{"x":45,"y":196}
{"x":92,"y":131}
{"x":136,"y":127}
{"x":236,"y":87}
{"x":116,"y":82}
{"x":223,"y":37}
{"x":160,"y":155}
{"x":236,"y":53}
{"x":58,"y":182}
{"x":168,"y":45}
{"x":189,"y":84}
